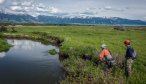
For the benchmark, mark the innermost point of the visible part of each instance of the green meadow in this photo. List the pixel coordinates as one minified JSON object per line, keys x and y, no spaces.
{"x":86,"y":40}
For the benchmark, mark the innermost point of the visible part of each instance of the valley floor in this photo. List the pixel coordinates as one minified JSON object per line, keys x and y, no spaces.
{"x":81,"y":40}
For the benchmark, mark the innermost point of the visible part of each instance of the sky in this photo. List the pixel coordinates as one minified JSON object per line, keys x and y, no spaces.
{"x":130,"y":9}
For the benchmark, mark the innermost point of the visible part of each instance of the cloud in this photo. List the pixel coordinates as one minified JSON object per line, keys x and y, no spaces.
{"x":46,"y":9}
{"x":144,"y":18}
{"x":85,"y":13}
{"x":16,"y":3}
{"x":39,"y":9}
{"x":28,"y":9}
{"x":2,"y":54}
{"x":89,"y":9}
{"x":16,"y":8}
{"x":60,"y":14}
{"x":33,"y":8}
{"x":106,"y":8}
{"x":89,"y":12}
{"x":2,"y":1}
{"x":22,"y":6}
{"x":41,"y":5}
{"x":26,"y":3}
{"x":53,"y":10}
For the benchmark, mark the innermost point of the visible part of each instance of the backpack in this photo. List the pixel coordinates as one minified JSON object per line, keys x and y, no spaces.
{"x":133,"y":53}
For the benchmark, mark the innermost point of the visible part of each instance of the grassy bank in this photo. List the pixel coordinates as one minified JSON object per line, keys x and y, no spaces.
{"x":81,"y":40}
{"x":4,"y":46}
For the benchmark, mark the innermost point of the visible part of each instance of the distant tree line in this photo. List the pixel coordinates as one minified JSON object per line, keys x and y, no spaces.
{"x":7,"y":27}
{"x":120,"y":28}
{"x":128,"y":28}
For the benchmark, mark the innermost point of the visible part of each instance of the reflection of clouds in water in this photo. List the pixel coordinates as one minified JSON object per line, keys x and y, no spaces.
{"x":2,"y":54}
{"x":30,"y":45}
{"x":25,"y":44}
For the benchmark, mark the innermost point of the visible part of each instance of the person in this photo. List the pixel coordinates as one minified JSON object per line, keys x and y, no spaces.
{"x":128,"y":58}
{"x":105,"y":57}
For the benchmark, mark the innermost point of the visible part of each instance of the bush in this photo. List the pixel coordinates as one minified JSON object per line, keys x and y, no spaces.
{"x":3,"y":28}
{"x":52,"y":52}
{"x":120,"y":28}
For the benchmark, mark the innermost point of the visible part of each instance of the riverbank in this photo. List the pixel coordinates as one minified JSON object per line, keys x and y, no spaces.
{"x":79,"y":41}
{"x":38,"y":36}
{"x":4,"y":46}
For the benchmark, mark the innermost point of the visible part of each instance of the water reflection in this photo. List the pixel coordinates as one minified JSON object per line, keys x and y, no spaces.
{"x":28,"y":62}
{"x":25,"y":44}
{"x":2,"y":54}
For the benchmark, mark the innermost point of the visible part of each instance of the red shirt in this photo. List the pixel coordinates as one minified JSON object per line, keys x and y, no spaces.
{"x":104,"y":53}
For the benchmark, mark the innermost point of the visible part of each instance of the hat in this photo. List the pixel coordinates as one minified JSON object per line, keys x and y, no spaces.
{"x":103,"y":46}
{"x":127,"y":42}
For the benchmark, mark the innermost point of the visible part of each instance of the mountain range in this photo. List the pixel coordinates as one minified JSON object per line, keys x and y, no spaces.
{"x":22,"y":18}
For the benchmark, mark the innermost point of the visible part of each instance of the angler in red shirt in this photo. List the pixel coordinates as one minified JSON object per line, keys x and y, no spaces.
{"x":104,"y":54}
{"x":105,"y":57}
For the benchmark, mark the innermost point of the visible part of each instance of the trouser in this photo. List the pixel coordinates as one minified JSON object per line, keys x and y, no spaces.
{"x":107,"y":66}
{"x":128,"y":67}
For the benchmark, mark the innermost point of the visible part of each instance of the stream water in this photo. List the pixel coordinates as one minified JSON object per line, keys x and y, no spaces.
{"x":28,"y":62}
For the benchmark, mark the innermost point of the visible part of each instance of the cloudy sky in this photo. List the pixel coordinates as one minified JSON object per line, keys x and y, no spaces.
{"x":131,"y":9}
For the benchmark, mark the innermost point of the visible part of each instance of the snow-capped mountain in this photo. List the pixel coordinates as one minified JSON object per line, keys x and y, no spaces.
{"x":20,"y":18}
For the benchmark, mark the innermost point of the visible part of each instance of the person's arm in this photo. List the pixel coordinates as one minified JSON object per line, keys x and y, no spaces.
{"x":101,"y":55}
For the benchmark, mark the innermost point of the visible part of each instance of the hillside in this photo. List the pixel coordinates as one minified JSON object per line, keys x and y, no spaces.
{"x":68,"y":20}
